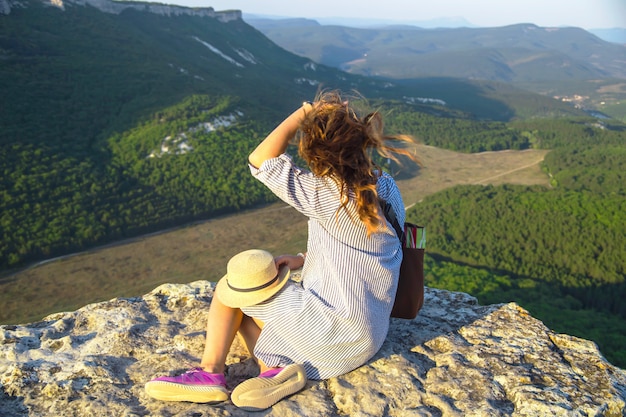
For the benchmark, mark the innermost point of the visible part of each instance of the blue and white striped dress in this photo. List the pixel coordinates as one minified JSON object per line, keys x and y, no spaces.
{"x":338,"y":317}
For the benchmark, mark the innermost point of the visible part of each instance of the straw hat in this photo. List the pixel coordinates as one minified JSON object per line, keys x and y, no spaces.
{"x":251,"y":278}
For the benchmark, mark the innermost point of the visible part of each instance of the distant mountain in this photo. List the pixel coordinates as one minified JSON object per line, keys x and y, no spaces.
{"x":262,"y":22}
{"x":444,"y":22}
{"x":615,"y":35}
{"x":557,"y":61}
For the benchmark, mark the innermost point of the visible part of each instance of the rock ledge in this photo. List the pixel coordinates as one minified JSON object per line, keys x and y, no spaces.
{"x":456,"y":359}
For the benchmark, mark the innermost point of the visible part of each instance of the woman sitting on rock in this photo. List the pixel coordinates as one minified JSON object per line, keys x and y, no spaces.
{"x":337,"y":317}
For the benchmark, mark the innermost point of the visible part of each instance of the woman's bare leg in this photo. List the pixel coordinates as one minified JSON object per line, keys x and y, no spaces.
{"x":222,"y":324}
{"x":249,"y":332}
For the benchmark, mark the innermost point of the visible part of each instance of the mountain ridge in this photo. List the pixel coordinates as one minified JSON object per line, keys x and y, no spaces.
{"x":116,"y":7}
{"x":573,"y":41}
{"x":443,"y":22}
{"x":548,"y":60}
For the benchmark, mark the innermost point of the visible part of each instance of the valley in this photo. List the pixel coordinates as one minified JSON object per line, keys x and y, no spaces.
{"x":201,"y":250}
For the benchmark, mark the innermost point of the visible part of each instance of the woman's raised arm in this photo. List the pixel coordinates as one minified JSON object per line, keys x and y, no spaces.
{"x":276,"y":142}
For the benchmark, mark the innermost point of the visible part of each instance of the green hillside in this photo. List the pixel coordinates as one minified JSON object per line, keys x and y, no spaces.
{"x":88,"y":96}
{"x":559,"y":252}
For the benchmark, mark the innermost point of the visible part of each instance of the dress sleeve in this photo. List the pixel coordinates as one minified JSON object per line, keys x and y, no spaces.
{"x":388,"y":191}
{"x":315,"y":197}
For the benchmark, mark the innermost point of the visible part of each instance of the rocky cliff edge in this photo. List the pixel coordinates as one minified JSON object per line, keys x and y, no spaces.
{"x":116,"y":7}
{"x":456,"y":358}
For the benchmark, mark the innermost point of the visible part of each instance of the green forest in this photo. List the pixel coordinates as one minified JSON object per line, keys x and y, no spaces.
{"x":559,"y":252}
{"x":56,"y":200}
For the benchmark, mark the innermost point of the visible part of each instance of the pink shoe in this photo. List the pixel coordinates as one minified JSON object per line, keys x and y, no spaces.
{"x":195,"y":385}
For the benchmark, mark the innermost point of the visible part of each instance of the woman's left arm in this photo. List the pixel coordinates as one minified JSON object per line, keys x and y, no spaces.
{"x":276,"y":142}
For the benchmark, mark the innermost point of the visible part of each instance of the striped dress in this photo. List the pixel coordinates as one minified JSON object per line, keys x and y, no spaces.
{"x":337,"y":318}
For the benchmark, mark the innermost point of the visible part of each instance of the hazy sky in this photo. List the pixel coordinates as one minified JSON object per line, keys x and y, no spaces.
{"x":588,"y":14}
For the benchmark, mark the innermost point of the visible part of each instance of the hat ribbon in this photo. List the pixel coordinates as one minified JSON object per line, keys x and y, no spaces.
{"x":260,"y":287}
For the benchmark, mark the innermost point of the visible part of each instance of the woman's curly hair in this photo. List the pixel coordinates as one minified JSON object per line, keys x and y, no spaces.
{"x":337,"y":143}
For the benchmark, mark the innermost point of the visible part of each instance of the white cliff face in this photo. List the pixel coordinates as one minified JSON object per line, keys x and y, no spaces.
{"x":116,"y":7}
{"x":456,"y":359}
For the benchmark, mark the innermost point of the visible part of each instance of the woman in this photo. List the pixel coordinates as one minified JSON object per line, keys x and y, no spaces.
{"x":337,"y":318}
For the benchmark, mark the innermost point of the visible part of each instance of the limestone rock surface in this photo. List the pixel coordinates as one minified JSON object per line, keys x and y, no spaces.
{"x":456,"y":358}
